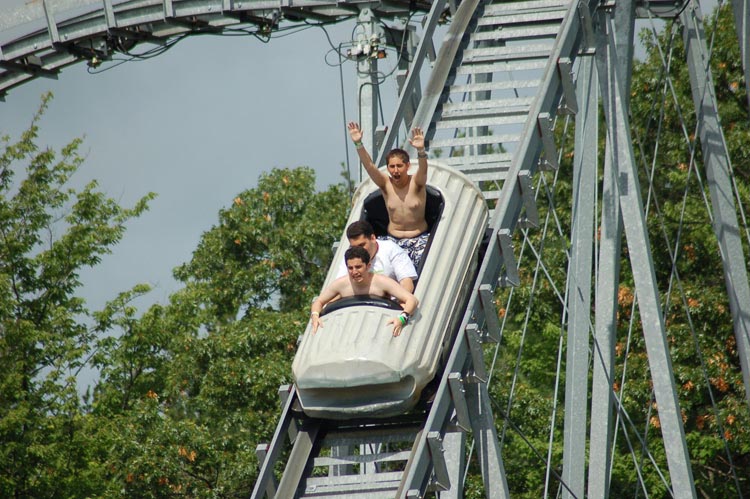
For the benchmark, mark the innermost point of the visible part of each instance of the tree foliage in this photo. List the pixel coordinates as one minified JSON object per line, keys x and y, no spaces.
{"x":192,"y":385}
{"x":186,"y":389}
{"x":269,"y":245}
{"x":48,"y":233}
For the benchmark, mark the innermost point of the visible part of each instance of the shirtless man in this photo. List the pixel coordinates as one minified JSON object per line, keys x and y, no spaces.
{"x":405,"y":195}
{"x":361,"y":281}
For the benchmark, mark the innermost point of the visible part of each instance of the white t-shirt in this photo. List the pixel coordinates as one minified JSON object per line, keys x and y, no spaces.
{"x":390,"y":260}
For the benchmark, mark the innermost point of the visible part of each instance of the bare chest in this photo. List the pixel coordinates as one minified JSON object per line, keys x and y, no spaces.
{"x":405,"y":199}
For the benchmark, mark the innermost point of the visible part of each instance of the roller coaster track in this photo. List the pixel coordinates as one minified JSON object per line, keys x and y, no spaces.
{"x":39,"y":38}
{"x":506,"y":72}
{"x":500,"y":136}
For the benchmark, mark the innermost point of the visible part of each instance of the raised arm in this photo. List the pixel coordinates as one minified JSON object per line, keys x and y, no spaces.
{"x":417,"y":141}
{"x":380,"y":178}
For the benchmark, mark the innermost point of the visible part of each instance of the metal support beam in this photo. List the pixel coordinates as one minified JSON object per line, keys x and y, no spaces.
{"x":531,"y":213}
{"x":442,"y":410}
{"x":109,"y":14}
{"x":587,"y":26}
{"x":716,"y":160}
{"x":367,"y":78}
{"x":54,"y":36}
{"x":440,"y":468}
{"x":284,"y":392}
{"x":458,"y":395}
{"x":408,"y":46}
{"x":479,"y":373}
{"x":511,"y":277}
{"x":295,"y":464}
{"x":412,"y":80}
{"x":605,"y":319}
{"x":168,"y":9}
{"x":452,"y":42}
{"x":33,"y":67}
{"x":274,"y":450}
{"x":741,"y":10}
{"x":549,"y":161}
{"x":261,"y":452}
{"x":485,"y":439}
{"x":565,"y":70}
{"x":579,"y":283}
{"x":454,"y":446}
{"x":379,"y":136}
{"x":411,"y":102}
{"x":634,"y":222}
{"x":491,"y":322}
{"x":608,"y":279}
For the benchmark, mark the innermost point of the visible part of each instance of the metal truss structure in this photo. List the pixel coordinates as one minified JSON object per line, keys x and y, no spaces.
{"x":503,"y":75}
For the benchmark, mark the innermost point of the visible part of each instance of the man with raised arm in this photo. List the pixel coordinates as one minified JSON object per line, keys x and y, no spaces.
{"x":405,"y":195}
{"x":360,"y":281}
{"x":386,"y":257}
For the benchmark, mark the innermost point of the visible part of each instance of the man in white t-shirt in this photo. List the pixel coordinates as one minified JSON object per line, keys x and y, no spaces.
{"x":387,"y":258}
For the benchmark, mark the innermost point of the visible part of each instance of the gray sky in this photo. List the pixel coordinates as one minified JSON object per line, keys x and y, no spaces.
{"x":196,"y":125}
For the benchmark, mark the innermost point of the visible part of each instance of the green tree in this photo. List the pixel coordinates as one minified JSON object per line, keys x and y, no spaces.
{"x":269,"y":246}
{"x":190,"y":388}
{"x":48,"y":233}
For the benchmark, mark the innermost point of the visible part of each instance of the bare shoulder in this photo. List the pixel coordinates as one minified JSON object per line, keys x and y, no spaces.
{"x":383,"y":282}
{"x":417,"y":184}
{"x":339,"y":285}
{"x":341,"y":282}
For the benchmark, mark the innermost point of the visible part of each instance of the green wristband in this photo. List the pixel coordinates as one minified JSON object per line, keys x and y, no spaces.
{"x":404,"y":318}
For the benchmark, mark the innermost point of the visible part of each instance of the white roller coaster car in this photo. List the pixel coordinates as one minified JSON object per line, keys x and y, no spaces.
{"x":353,"y":366}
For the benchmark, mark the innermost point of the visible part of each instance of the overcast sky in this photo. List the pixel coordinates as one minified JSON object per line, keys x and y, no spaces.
{"x":196,"y":125}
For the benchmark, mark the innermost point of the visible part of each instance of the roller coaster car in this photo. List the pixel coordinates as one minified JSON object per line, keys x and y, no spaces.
{"x":353,"y":366}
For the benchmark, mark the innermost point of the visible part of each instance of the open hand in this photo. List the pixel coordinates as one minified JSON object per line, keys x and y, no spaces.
{"x":397,"y":326}
{"x":355,"y":132}
{"x":417,"y":138}
{"x":316,"y":323}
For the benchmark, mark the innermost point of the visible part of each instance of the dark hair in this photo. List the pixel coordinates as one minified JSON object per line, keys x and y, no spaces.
{"x":397,"y":152}
{"x":359,"y":228}
{"x":357,"y":252}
